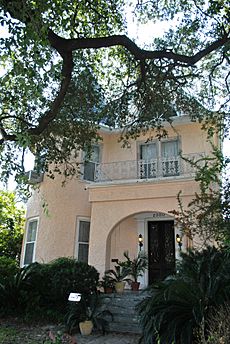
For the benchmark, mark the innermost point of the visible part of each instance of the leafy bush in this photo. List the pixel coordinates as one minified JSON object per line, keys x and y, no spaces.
{"x":65,"y":275}
{"x":178,"y":305}
{"x":8,"y":267}
{"x":44,"y":288}
{"x":15,"y":292}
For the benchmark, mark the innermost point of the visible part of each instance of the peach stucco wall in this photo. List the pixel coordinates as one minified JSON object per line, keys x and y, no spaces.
{"x":57,"y":229}
{"x":191,"y":137}
{"x":110,"y":207}
{"x":122,"y":238}
{"x":112,"y":204}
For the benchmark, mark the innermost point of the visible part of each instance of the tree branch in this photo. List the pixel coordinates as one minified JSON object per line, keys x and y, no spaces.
{"x":63,"y":45}
{"x":55,"y":107}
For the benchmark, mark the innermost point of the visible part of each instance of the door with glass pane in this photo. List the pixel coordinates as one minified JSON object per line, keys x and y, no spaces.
{"x":148,"y":161}
{"x":170,"y":158}
{"x":91,"y":163}
{"x":161,"y":249}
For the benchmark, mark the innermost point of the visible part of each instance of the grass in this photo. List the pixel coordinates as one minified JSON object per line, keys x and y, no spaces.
{"x":19,"y":334}
{"x":7,"y":335}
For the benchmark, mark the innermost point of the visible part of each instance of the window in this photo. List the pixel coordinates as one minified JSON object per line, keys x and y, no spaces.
{"x":31,"y":235}
{"x":170,"y":159}
{"x":91,"y":163}
{"x":159,"y":158}
{"x":148,"y":164}
{"x":83,"y":240}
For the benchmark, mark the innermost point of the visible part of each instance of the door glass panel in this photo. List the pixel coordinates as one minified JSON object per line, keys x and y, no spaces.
{"x":161,"y":250}
{"x":91,"y":163}
{"x":169,"y":149}
{"x":170,"y":159}
{"x":148,"y":163}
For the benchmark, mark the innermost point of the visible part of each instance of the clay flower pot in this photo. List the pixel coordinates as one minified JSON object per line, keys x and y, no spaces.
{"x":135,"y":286}
{"x":86,"y":327}
{"x":119,"y":287}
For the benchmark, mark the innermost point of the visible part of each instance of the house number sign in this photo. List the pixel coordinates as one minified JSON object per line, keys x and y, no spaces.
{"x":158,"y":214}
{"x":76,"y":297}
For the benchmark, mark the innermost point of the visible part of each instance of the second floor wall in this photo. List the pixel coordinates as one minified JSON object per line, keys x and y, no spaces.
{"x":147,"y":157}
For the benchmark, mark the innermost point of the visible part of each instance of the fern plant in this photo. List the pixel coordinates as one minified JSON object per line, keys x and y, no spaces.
{"x":177,"y":306}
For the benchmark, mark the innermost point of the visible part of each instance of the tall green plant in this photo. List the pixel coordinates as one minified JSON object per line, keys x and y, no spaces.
{"x":16,"y":292}
{"x":178,"y":305}
{"x":135,"y":267}
{"x":12,"y":221}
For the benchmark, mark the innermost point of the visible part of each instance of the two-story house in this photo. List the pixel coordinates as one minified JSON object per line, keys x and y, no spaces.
{"x":121,"y":201}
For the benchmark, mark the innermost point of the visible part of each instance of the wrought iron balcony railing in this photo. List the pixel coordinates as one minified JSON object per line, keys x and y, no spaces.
{"x":141,"y":169}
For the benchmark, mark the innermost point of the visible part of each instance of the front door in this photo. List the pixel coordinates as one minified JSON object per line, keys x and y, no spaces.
{"x":161,"y":249}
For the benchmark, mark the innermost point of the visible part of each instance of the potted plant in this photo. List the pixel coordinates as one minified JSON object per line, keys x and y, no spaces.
{"x":118,"y":275}
{"x":107,"y":283}
{"x":88,"y":315}
{"x":135,"y":268}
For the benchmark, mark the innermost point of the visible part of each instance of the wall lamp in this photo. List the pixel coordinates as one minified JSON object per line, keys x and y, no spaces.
{"x":179,"y":241}
{"x":140,"y":241}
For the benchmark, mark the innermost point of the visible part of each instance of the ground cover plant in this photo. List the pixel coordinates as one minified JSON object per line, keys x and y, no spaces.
{"x":180,"y":304}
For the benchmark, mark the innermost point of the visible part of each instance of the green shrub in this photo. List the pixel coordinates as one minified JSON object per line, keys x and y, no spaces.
{"x":57,"y":279}
{"x":180,"y":304}
{"x":15,"y":292}
{"x":8,"y":267}
{"x":44,"y":288}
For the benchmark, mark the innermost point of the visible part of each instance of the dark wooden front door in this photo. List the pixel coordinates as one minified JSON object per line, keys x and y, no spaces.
{"x":161,"y":249}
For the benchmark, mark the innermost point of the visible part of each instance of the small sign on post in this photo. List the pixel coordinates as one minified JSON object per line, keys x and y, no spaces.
{"x":75,"y":297}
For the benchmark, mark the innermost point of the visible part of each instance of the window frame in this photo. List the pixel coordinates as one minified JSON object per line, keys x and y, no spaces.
{"x":77,"y":242}
{"x":32,"y":219}
{"x":158,"y":145}
{"x":159,"y":156}
{"x":84,"y":160}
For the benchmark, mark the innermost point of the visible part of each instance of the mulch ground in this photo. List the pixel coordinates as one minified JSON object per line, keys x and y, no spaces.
{"x":13,"y":331}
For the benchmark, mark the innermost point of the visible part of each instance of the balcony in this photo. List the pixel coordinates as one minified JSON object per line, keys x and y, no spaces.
{"x":141,"y":169}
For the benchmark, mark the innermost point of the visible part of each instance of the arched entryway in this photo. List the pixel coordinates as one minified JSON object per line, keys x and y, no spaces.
{"x":158,"y":233}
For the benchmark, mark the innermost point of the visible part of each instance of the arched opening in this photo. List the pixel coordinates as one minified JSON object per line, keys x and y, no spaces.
{"x":158,"y":233}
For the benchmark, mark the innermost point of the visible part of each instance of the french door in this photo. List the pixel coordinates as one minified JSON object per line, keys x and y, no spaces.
{"x":161,"y":249}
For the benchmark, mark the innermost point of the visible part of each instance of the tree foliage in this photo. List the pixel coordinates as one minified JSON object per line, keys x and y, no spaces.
{"x":12,"y":221}
{"x":70,"y":66}
{"x":207,"y":216}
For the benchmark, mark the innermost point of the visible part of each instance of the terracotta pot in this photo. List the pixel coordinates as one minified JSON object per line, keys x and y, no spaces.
{"x":135,"y":286}
{"x":108,"y":290}
{"x":119,"y":287}
{"x":86,"y":327}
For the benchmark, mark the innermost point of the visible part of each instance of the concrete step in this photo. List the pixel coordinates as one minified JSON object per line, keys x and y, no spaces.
{"x":123,"y":308}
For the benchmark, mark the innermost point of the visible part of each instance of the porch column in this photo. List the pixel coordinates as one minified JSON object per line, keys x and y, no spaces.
{"x":97,"y":247}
